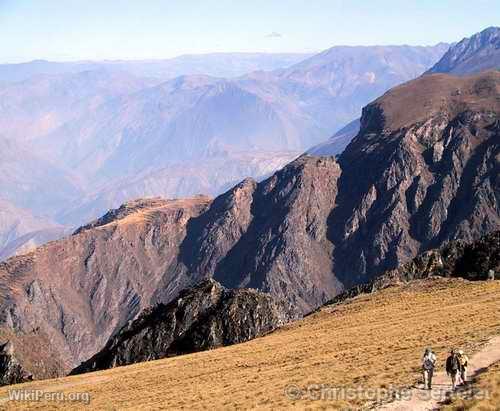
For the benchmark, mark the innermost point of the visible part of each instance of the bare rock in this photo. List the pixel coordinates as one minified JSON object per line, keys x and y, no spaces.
{"x":472,"y":261}
{"x":11,"y":371}
{"x":203,"y":317}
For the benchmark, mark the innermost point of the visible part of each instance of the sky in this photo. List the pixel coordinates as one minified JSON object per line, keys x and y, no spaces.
{"x":67,"y":30}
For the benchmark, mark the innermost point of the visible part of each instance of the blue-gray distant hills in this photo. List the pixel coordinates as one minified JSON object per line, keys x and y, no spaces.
{"x":106,"y":132}
{"x":212,"y":64}
{"x":336,"y":144}
{"x":480,"y":52}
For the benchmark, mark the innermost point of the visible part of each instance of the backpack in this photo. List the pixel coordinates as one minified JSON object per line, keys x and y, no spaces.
{"x":428,"y":364}
{"x":454,"y":364}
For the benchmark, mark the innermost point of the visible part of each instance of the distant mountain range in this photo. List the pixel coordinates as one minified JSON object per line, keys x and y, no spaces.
{"x":422,"y":171}
{"x":474,"y":54}
{"x":117,"y":131}
{"x":20,"y":230}
{"x":214,"y":64}
{"x":336,"y":144}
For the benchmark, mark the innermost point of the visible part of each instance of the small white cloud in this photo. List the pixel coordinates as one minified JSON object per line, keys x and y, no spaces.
{"x":274,"y":35}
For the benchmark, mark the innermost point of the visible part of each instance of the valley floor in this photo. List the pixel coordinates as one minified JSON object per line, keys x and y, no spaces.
{"x":372,"y":341}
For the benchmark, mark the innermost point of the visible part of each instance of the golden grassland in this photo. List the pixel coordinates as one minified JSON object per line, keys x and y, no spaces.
{"x":488,"y":393}
{"x":371,"y":341}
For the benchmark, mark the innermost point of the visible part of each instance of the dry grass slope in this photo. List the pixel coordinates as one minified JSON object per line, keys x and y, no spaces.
{"x":434,"y":93}
{"x":488,"y":399}
{"x":373,"y":340}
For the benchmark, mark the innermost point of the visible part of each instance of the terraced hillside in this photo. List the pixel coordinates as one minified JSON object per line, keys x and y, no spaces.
{"x":373,"y":341}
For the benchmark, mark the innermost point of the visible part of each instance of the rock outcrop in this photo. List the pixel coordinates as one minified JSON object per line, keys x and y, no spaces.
{"x":11,"y":372}
{"x":472,"y":261}
{"x":203,"y":317}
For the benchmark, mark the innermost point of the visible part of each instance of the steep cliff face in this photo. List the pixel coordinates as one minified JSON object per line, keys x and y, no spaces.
{"x":472,"y":55}
{"x":271,"y":236}
{"x":71,"y":295}
{"x":11,"y":372}
{"x":201,"y":318}
{"x":423,"y":170}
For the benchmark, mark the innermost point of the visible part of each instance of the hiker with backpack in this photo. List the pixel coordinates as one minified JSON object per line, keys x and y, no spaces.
{"x":464,"y":363}
{"x":428,"y":365}
{"x":453,"y":368}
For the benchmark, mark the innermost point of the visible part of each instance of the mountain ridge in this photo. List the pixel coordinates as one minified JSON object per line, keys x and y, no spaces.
{"x":471,"y":55}
{"x":215,"y":64}
{"x":408,"y":182}
{"x":203,"y":317}
{"x":118,"y":134}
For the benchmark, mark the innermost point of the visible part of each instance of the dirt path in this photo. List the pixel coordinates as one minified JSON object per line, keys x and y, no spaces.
{"x":424,"y":400}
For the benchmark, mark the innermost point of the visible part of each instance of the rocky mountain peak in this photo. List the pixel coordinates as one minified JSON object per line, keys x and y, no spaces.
{"x":407,"y":176}
{"x":432,"y":96}
{"x":471,"y":55}
{"x":200,"y":318}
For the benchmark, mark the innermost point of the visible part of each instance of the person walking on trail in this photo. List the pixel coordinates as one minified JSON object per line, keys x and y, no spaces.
{"x":428,"y":365}
{"x":464,"y":363}
{"x":453,"y":368}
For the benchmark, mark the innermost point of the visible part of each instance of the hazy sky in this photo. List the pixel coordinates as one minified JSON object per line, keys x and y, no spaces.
{"x":137,"y":29}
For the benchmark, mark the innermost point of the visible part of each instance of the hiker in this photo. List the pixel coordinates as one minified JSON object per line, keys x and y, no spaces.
{"x":453,"y":368}
{"x":464,"y":363}
{"x":428,"y":364}
{"x":491,"y":275}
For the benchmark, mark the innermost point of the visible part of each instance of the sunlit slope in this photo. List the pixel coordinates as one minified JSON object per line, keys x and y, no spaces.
{"x":373,"y":341}
{"x":489,"y":383}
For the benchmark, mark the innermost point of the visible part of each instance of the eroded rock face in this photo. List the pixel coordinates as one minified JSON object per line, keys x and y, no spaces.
{"x":11,"y":372}
{"x":472,"y":261}
{"x":71,"y":295}
{"x":423,"y":170}
{"x":272,"y":236}
{"x":201,"y":318}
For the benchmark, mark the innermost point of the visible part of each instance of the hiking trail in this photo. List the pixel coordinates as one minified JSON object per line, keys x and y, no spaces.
{"x":425,"y":400}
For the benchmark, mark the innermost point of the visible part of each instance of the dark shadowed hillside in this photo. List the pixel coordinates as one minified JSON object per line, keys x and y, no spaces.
{"x":204,"y":317}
